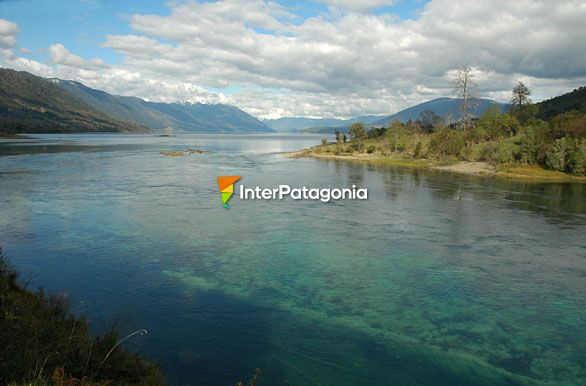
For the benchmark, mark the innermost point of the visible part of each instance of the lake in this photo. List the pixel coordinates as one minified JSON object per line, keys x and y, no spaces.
{"x":436,"y":279}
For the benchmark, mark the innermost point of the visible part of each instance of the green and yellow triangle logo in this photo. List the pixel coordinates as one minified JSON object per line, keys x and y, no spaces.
{"x":226,"y":185}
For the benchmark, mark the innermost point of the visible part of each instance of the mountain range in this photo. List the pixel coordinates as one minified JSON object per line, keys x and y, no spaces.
{"x":447,"y":108}
{"x":168,"y":117}
{"x":29,"y":103}
{"x":288,"y":124}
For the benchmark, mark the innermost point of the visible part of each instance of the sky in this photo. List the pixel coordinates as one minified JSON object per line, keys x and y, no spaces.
{"x":326,"y":58}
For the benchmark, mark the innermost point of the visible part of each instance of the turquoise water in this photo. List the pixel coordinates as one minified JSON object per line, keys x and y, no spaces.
{"x":436,"y":279}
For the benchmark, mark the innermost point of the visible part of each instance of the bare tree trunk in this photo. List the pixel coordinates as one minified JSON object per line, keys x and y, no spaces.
{"x":465,"y":89}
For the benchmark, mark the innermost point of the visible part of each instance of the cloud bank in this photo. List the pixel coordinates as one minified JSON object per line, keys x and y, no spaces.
{"x":265,"y":58}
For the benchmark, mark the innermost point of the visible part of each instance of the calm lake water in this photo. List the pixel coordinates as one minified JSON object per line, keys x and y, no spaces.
{"x":436,"y":279}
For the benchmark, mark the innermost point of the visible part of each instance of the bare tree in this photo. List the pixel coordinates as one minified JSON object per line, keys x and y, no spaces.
{"x":466,"y":90}
{"x":429,"y":120}
{"x":416,"y":129}
{"x":448,"y":119}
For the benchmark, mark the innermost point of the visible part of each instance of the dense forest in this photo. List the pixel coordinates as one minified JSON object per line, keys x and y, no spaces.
{"x":551,"y":134}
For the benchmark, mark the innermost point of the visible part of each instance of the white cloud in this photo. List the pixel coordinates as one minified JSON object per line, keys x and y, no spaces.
{"x":270,"y":62}
{"x":8,"y":31}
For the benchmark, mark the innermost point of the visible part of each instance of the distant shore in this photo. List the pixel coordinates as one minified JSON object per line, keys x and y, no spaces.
{"x":511,"y":171}
{"x":4,"y":135}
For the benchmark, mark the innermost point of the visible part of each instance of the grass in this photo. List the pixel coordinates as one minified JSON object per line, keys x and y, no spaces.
{"x":535,"y":172}
{"x":375,"y":158}
{"x":43,"y":343}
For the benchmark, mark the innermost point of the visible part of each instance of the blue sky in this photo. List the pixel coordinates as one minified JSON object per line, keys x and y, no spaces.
{"x":327,"y":58}
{"x":81,"y":25}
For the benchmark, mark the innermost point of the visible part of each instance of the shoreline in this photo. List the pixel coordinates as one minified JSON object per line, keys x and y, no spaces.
{"x":4,"y":135}
{"x":528,"y":173}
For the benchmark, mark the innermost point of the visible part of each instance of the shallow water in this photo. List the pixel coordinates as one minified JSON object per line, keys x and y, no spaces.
{"x":436,"y":279}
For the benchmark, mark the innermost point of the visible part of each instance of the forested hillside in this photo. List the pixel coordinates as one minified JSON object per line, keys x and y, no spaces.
{"x":30,"y":104}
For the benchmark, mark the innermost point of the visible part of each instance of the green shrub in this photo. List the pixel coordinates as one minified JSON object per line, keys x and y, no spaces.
{"x":465,"y":154}
{"x":569,"y":124}
{"x":493,"y":124}
{"x":567,"y":155}
{"x":354,"y":146}
{"x":446,"y":142}
{"x":556,"y":155}
{"x":478,"y":134}
{"x":417,"y":150}
{"x":370,"y":149}
{"x":576,"y":163}
{"x":535,"y":142}
{"x":500,"y":152}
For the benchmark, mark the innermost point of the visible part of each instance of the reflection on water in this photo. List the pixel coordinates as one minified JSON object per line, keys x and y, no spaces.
{"x":242,"y":143}
{"x":436,"y":279}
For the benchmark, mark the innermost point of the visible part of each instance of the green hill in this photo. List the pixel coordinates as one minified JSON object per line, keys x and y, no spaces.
{"x":575,"y":100}
{"x":30,"y":104}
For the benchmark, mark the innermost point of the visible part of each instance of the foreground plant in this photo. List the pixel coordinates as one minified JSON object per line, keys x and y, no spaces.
{"x":44,"y":343}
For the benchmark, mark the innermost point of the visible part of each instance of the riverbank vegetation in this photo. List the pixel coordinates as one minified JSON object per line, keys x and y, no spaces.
{"x":43,"y":343}
{"x":526,"y":138}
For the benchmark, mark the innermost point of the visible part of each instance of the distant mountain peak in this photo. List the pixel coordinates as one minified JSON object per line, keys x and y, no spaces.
{"x":190,"y":102}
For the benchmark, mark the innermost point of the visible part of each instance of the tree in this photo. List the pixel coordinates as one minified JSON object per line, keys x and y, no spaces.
{"x":520,"y":96}
{"x":339,"y":136}
{"x":493,"y":124}
{"x":535,"y":142}
{"x":465,"y":89}
{"x":395,"y":128}
{"x":376,"y":132}
{"x":429,"y":120}
{"x":357,"y":132}
{"x":520,"y":102}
